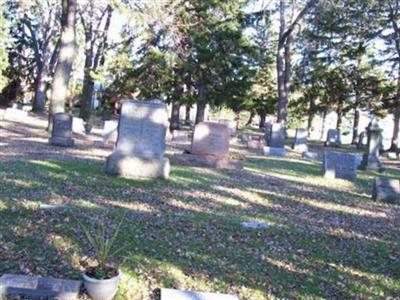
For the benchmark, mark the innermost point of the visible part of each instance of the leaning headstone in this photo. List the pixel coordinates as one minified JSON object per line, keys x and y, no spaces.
{"x":339,"y":165}
{"x":371,"y":156}
{"x":362,"y":140}
{"x":272,"y":151}
{"x":386,"y":190}
{"x":61,"y":134}
{"x":29,"y":287}
{"x":231,"y":125}
{"x":171,"y":294}
{"x":78,"y":126}
{"x":333,"y":138}
{"x":110,"y":132}
{"x":300,"y":140}
{"x":140,"y":146}
{"x":14,"y":114}
{"x":275,"y":135}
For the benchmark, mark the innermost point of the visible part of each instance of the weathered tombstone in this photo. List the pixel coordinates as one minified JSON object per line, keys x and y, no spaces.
{"x":275,"y":135}
{"x":211,"y":139}
{"x":386,"y":190}
{"x":14,"y":114}
{"x":333,"y":138}
{"x":362,"y":140}
{"x":231,"y":125}
{"x":300,"y":140}
{"x":209,"y":148}
{"x":171,"y":294}
{"x":272,"y":151}
{"x":61,"y":134}
{"x":38,"y":287}
{"x":371,"y":156}
{"x":339,"y":165}
{"x":78,"y":125}
{"x":140,"y":146}
{"x":110,"y":132}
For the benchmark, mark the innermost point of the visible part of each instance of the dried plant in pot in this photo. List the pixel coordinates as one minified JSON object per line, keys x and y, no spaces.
{"x":101,"y":279}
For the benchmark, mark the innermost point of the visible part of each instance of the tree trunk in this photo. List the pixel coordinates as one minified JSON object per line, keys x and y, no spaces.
{"x":174,"y":125}
{"x":280,"y":67}
{"x":356,"y":118}
{"x":40,"y":93}
{"x":237,"y":120}
{"x":62,"y":73}
{"x":201,"y":104}
{"x":261,"y":125}
{"x":252,"y":115}
{"x":311,"y":111}
{"x":321,"y":138}
{"x":396,"y":112}
{"x":187,"y":115}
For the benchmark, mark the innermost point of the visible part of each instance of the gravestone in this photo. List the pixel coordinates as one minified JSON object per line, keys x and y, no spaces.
{"x":310,"y":155}
{"x":362,"y":140}
{"x":14,"y":114}
{"x":386,"y":190}
{"x":333,"y":138}
{"x":78,"y":126}
{"x":300,"y":140}
{"x":339,"y":165}
{"x":38,"y":287}
{"x":275,"y":135}
{"x":172,"y":294}
{"x":210,"y":139}
{"x":231,"y":125}
{"x":180,"y":136}
{"x":61,"y":133}
{"x":110,"y":132}
{"x":371,"y":156}
{"x":255,"y":144}
{"x":209,"y":148}
{"x":272,"y":151}
{"x":140,"y":146}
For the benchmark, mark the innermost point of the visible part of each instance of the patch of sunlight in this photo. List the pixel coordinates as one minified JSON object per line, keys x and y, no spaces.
{"x":245,"y":196}
{"x":328,"y":205}
{"x":287,"y":266}
{"x":3,"y":205}
{"x":88,"y":204}
{"x":390,"y":283}
{"x":136,"y":206}
{"x":21,"y":183}
{"x":255,"y":294}
{"x":182,"y":204}
{"x":46,"y":164}
{"x":339,"y":232}
{"x":131,"y":287}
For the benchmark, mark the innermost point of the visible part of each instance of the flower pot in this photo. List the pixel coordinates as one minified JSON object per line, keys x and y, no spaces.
{"x":101,"y":289}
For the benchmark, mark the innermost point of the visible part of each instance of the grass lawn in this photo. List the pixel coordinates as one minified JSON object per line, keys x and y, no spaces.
{"x":326,"y":239}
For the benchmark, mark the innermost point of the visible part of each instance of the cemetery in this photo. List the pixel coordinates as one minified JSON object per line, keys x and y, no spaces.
{"x":168,"y":150}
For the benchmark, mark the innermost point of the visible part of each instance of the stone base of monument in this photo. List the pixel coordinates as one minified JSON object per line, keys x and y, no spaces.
{"x":272,"y":151}
{"x":28,"y":287}
{"x":129,"y":166}
{"x":371,"y":163}
{"x":207,"y":161}
{"x":386,"y":190}
{"x":61,"y":142}
{"x":171,"y":294}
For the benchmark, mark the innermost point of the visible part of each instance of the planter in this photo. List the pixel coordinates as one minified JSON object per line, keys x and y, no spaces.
{"x":104,"y":289}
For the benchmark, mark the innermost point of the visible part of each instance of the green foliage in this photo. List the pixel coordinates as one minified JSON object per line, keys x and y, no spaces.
{"x":4,"y":44}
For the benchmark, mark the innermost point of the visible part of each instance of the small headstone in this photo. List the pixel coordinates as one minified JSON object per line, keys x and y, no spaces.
{"x":339,"y":165}
{"x":310,"y":155}
{"x":38,"y":287}
{"x":371,"y":156}
{"x":254,"y":225}
{"x":244,"y":137}
{"x":171,"y":294}
{"x":275,"y":135}
{"x":333,"y":138}
{"x":140,"y":146}
{"x":180,"y":136}
{"x":300,"y":140}
{"x":254,"y":144}
{"x":61,"y":134}
{"x":362,"y":140}
{"x":210,"y":139}
{"x":272,"y":151}
{"x":231,"y":125}
{"x":78,"y":126}
{"x":14,"y":114}
{"x":392,"y":155}
{"x":387,"y":190}
{"x":110,"y":132}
